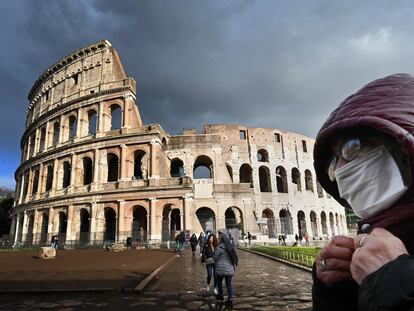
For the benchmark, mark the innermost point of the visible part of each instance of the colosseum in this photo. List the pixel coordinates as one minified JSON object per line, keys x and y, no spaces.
{"x":91,"y":172}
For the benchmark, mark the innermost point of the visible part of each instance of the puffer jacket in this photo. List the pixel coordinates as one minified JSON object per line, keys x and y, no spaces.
{"x":223,"y":262}
{"x":384,"y":107}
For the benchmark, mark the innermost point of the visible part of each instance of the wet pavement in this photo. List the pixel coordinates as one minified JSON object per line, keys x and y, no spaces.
{"x":259,"y":284}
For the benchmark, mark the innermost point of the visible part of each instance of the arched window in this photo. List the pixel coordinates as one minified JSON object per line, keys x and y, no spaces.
{"x":308,"y":181}
{"x":42,"y":139}
{"x":91,"y":122}
{"x":113,"y":167}
{"x":72,"y":127}
{"x":264,"y":178}
{"x":66,"y":174}
{"x":301,"y":223}
{"x":245,"y":174}
{"x":85,"y":219}
{"x":56,"y":131}
{"x":115,"y":117}
{"x":319,"y":189}
{"x":313,"y":222}
{"x":262,"y":156}
{"x":35,"y":182}
{"x":32,"y":144}
{"x":87,"y":171}
{"x":323,"y":223}
{"x":296,"y":178}
{"x":110,"y":225}
{"x":285,"y":222}
{"x":138,"y":165}
{"x":281,"y":180}
{"x":203,"y":167}
{"x":177,"y":168}
{"x":49,"y":178}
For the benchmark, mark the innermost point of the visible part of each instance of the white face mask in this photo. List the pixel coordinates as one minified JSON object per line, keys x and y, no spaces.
{"x":371,"y":183}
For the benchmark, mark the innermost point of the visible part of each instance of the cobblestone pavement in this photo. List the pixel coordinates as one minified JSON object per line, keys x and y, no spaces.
{"x":259,"y":284}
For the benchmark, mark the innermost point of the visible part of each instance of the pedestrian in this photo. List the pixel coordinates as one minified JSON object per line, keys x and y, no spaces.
{"x":181,"y":241}
{"x":280,"y":239}
{"x":54,"y":243}
{"x":249,"y":236}
{"x":300,"y":238}
{"x":201,"y":242}
{"x":193,"y":243}
{"x":208,"y":260}
{"x":226,"y":260}
{"x":128,"y":242}
{"x":140,"y":238}
{"x":246,"y":240}
{"x":364,"y":158}
{"x":296,"y":238}
{"x":283,"y":239}
{"x":306,"y":239}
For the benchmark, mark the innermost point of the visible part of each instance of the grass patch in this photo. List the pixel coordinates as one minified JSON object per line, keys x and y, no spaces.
{"x":300,"y":255}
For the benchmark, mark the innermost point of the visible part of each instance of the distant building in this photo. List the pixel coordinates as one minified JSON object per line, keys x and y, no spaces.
{"x":91,"y":171}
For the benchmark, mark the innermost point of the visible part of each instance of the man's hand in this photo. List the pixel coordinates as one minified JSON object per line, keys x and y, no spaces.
{"x":374,"y":250}
{"x":334,"y":260}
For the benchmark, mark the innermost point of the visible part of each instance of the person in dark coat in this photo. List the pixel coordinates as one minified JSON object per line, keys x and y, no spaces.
{"x":208,"y":259}
{"x":193,"y":243}
{"x":201,"y":242}
{"x":226,"y":260}
{"x":364,"y":158}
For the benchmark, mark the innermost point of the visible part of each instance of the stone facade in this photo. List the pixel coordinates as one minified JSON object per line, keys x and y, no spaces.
{"x":91,"y":171}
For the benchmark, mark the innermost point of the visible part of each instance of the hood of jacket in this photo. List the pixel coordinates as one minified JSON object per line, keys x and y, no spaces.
{"x":384,"y":106}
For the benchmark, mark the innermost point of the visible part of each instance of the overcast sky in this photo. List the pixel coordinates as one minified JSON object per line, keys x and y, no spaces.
{"x":279,"y":64}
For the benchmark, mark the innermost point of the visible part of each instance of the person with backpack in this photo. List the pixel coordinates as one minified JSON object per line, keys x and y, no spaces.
{"x":201,"y":242}
{"x":193,"y":243}
{"x":249,"y":236}
{"x":226,"y":260}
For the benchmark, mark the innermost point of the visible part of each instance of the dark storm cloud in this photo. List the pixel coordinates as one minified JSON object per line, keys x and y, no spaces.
{"x":260,"y":63}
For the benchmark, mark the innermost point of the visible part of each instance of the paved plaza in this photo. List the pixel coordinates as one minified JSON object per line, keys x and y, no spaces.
{"x":259,"y":284}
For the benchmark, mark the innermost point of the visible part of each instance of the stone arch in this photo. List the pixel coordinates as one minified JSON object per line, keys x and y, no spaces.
{"x":63,"y":223}
{"x":230,"y":171}
{"x":171,"y":222}
{"x":286,"y":226}
{"x":331,"y":223}
{"x":262,"y":156}
{"x":85,"y":224}
{"x":92,"y":122}
{"x":20,"y":229}
{"x":116,"y":117}
{"x":301,"y":223}
{"x":268,"y":226}
{"x":203,"y":167}
{"x":323,"y":223}
{"x":113,"y":167}
{"x":49,"y":177}
{"x":87,"y":170}
{"x":314,"y":224}
{"x":42,"y":139}
{"x":30,"y":228}
{"x":140,"y":164}
{"x":281,"y":180}
{"x":233,"y":217}
{"x":56,"y":133}
{"x":264,"y":179}
{"x":207,"y":218}
{"x":140,"y":220}
{"x":44,"y":228}
{"x":319,"y":189}
{"x":308,"y":180}
{"x":110,"y":225}
{"x":296,"y":178}
{"x":72,"y":126}
{"x":337,"y":227}
{"x":66,"y":174}
{"x":245,"y":173}
{"x":177,"y":168}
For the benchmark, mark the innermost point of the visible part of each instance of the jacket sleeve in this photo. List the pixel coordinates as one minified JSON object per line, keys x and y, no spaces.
{"x":389,"y":288}
{"x":338,"y":297}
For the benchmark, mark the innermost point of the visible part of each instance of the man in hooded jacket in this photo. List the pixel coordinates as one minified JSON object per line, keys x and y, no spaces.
{"x":364,"y":158}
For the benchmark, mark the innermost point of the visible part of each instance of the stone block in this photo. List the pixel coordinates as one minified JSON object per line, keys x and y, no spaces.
{"x":47,"y":253}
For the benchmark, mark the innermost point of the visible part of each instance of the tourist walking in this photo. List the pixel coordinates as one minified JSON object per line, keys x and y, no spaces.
{"x":208,"y":260}
{"x":193,"y":243}
{"x":226,"y":260}
{"x":249,"y":236}
{"x":283,"y":239}
{"x":201,"y":242}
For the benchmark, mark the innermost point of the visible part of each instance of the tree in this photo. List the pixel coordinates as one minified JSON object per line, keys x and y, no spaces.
{"x":5,"y":217}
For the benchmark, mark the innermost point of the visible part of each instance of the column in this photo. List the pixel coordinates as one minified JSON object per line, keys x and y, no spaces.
{"x":295,"y":224}
{"x":55,"y":177}
{"x":96,"y":171}
{"x":123,"y":162}
{"x":122,"y":234}
{"x":24,"y":228}
{"x":153,"y":236}
{"x":308,"y":224}
{"x":73,"y":171}
{"x":69,"y":214}
{"x":319,"y":225}
{"x":100,"y":120}
{"x":79,"y":126}
{"x":125,"y":114}
{"x":37,"y":142}
{"x":328,"y":225}
{"x":50,"y":225}
{"x":61,"y":130}
{"x":16,"y":228}
{"x":94,"y":220}
{"x":153,"y":173}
